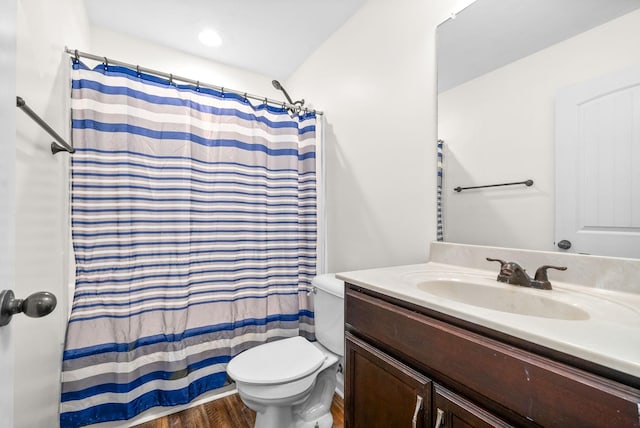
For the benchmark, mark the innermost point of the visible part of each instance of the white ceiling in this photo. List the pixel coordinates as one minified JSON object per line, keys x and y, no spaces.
{"x":491,"y":33}
{"x":270,"y":37}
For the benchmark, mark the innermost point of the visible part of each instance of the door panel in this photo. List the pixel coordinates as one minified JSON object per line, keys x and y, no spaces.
{"x":598,"y":165}
{"x":373,"y":378}
{"x":452,"y":411}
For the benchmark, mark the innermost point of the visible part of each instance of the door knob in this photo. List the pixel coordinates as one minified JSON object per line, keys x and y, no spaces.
{"x":36,"y":305}
{"x":564,"y":244}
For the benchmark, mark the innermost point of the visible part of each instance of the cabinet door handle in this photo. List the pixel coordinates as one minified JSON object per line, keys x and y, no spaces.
{"x":439,"y":418}
{"x":414,"y":421}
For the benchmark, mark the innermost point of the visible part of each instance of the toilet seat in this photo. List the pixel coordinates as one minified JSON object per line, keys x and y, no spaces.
{"x":276,"y":362}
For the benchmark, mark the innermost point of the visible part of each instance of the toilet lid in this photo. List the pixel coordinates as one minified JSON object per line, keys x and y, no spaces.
{"x":276,"y":362}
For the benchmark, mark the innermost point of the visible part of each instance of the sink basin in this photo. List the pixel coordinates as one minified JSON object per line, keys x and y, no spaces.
{"x":504,"y":298}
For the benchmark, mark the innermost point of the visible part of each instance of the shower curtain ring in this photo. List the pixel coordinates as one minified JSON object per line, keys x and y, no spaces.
{"x":265,"y":101}
{"x":106,"y":63}
{"x":76,"y":56}
{"x":198,"y":86}
{"x":171,"y":78}
{"x":245,"y":98}
{"x":138,"y":70}
{"x":222,"y":91}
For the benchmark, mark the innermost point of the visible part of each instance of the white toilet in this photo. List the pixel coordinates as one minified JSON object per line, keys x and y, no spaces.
{"x":290,"y":382}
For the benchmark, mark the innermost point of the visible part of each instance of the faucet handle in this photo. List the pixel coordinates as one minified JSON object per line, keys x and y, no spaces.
{"x":541,"y":273}
{"x":502,"y":262}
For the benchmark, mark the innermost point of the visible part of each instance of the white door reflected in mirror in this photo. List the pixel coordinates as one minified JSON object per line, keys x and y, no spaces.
{"x":598,"y":191}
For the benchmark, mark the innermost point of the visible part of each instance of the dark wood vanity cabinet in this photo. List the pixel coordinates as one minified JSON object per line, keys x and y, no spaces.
{"x":398,"y":354}
{"x":383,"y":393}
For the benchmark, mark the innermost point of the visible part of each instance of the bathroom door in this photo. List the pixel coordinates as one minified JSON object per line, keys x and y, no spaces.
{"x":598,"y":165}
{"x":7,"y":198}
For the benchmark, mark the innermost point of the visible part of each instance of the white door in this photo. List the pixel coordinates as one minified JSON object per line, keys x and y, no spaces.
{"x":7,"y":204}
{"x":598,"y":165}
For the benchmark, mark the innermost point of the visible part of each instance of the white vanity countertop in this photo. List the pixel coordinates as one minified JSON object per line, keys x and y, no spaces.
{"x":610,"y":336}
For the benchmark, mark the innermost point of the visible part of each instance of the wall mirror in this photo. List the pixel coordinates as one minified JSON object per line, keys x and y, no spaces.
{"x":512,"y":76}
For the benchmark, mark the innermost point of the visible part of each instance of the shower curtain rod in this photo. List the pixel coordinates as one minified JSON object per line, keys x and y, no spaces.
{"x":172,"y":77}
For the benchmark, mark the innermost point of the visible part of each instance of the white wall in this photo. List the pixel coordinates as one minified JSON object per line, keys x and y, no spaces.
{"x":7,"y":194}
{"x":375,"y":78}
{"x":500,"y":128}
{"x":43,"y":30}
{"x":137,"y":51}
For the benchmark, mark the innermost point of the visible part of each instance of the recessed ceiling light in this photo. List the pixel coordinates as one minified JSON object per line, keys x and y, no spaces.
{"x":209,"y":37}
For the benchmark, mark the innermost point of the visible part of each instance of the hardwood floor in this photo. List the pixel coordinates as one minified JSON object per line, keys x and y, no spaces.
{"x":227,"y":412}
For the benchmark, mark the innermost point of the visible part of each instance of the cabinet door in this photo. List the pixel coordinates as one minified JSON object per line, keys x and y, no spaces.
{"x":452,"y":411}
{"x":381,"y":392}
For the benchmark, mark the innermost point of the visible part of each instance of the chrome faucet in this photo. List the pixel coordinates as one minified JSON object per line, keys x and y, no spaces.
{"x":513,"y":273}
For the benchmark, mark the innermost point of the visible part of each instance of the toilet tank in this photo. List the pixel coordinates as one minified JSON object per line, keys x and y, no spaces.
{"x":328,"y":302}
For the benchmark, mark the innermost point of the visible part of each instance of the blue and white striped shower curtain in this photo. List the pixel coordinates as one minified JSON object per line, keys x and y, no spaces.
{"x":439,"y":184}
{"x":194,"y":231}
